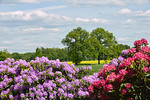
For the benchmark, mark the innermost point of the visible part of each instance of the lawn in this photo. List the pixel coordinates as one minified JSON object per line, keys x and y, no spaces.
{"x":93,"y":63}
{"x":95,"y":67}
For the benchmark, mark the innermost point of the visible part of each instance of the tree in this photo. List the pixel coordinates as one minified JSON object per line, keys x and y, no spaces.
{"x":105,"y":39}
{"x":76,"y":44}
{"x":38,"y":53}
{"x":28,"y":56}
{"x":16,"y":55}
{"x":2,"y":56}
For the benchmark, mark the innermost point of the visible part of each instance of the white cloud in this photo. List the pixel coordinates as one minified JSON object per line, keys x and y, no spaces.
{"x":125,"y":11}
{"x":142,"y":13}
{"x":7,"y":42}
{"x":124,"y":39}
{"x":35,"y":44}
{"x":82,"y":20}
{"x":104,"y":21}
{"x":129,"y":21}
{"x":41,"y":29}
{"x":35,"y":17}
{"x":4,"y":47}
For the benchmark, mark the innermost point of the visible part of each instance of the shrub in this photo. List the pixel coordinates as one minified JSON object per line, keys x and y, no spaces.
{"x":43,"y":79}
{"x":125,"y":78}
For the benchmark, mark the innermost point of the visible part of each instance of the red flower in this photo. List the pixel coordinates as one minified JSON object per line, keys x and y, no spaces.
{"x":132,"y":50}
{"x":112,"y":76}
{"x":128,"y":85}
{"x":130,"y":99}
{"x":98,"y":83}
{"x":123,"y":91}
{"x":123,"y":72}
{"x":145,"y":49}
{"x":107,"y":87}
{"x":119,"y":78}
{"x":125,"y":63}
{"x":140,"y":55}
{"x":138,"y":43}
{"x":144,"y":41}
{"x":145,"y":69}
{"x":90,"y":88}
{"x":107,"y":68}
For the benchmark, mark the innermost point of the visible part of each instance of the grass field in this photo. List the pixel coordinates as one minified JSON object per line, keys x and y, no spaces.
{"x":95,"y":67}
{"x":93,"y":63}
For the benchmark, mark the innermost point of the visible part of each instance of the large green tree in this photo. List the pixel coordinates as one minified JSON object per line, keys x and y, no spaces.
{"x":76,"y":44}
{"x":105,"y":39}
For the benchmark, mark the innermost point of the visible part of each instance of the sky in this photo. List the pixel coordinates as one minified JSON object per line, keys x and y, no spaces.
{"x":28,"y":24}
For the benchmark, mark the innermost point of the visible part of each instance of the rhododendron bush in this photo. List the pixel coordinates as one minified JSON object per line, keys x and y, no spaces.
{"x":125,"y":78}
{"x":43,"y":79}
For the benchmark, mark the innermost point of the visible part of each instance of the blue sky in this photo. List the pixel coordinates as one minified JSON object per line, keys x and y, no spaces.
{"x":28,"y":24}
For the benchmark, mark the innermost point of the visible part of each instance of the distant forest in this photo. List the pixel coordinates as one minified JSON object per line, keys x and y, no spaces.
{"x":57,"y":53}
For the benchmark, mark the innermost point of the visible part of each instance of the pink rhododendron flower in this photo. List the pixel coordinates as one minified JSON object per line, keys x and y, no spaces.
{"x":130,"y":99}
{"x":123,"y":91}
{"x":106,"y":69}
{"x":132,"y":50}
{"x":107,"y":87}
{"x":125,"y":63}
{"x":98,"y":83}
{"x":119,"y":78}
{"x":145,"y":69}
{"x":144,"y":41}
{"x":138,"y":43}
{"x":111,"y":77}
{"x":139,"y":55}
{"x":145,"y":49}
{"x":123,"y":72}
{"x":128,"y":85}
{"x":90,"y":88}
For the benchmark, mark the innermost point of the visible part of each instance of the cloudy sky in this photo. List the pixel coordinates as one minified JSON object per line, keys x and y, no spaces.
{"x":27,"y":24}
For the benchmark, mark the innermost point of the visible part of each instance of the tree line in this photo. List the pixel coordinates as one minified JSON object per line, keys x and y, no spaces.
{"x":80,"y":45}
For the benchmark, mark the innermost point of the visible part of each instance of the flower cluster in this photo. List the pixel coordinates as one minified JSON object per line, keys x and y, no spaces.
{"x":125,"y":78}
{"x":43,"y":79}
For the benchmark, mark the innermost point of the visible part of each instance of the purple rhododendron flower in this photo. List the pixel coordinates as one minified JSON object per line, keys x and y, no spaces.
{"x":115,"y":62}
{"x":22,"y":95}
{"x":120,"y":58}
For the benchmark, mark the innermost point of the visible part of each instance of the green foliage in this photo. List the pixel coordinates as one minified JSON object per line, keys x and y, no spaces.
{"x":28,"y":56}
{"x":16,"y":56}
{"x":38,"y":53}
{"x":2,"y":56}
{"x":105,"y":42}
{"x":76,"y":43}
{"x":56,"y":53}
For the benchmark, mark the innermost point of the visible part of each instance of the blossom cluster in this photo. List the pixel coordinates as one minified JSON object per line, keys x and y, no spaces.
{"x":125,"y":78}
{"x":43,"y":79}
